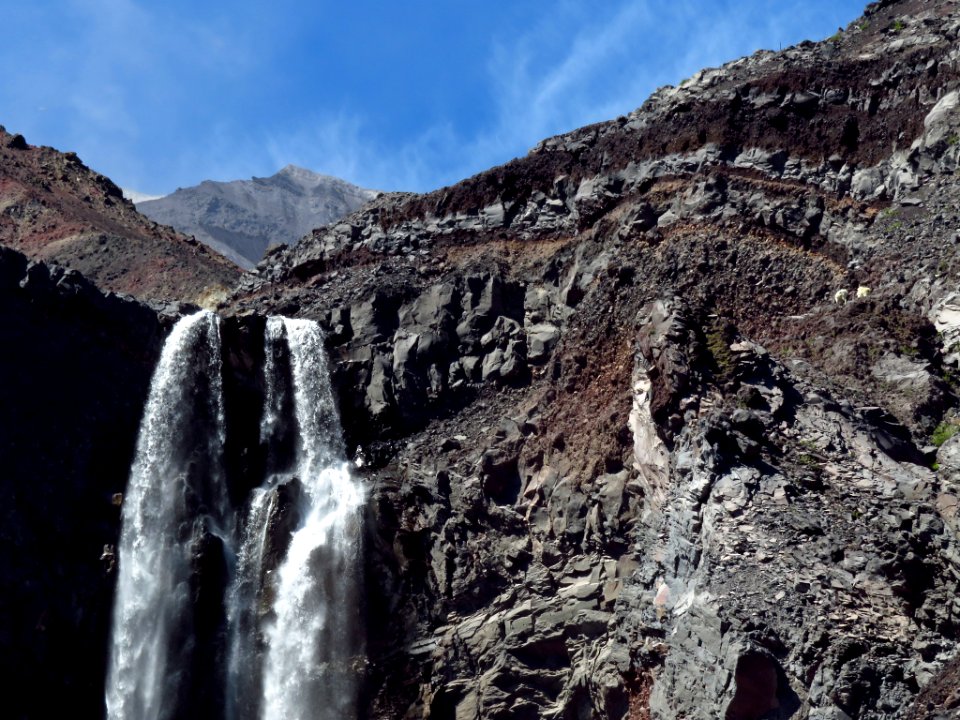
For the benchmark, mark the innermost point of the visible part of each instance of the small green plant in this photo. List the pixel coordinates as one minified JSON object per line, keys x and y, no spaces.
{"x":890,"y":212}
{"x":898,"y":26}
{"x":951,"y":378}
{"x":807,"y":460}
{"x":953,"y":140}
{"x":943,"y":432}
{"x":718,"y":338}
{"x":836,"y":36}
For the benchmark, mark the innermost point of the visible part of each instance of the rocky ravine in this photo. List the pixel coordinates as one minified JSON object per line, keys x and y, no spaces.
{"x":627,"y":457}
{"x":241,"y":219}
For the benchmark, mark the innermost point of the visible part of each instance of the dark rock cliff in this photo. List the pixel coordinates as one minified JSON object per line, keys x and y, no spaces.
{"x":76,"y":367}
{"x":646,"y":415}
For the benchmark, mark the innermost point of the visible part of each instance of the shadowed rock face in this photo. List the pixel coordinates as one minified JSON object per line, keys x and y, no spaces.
{"x":241,"y":219}
{"x":76,"y":366}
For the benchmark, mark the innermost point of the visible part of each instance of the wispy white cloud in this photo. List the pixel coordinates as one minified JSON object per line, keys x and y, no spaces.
{"x":539,"y":100}
{"x":614,"y":56}
{"x":533,"y":97}
{"x":121,"y":72}
{"x":128,"y":76}
{"x":577,"y":66}
{"x":344,"y":145}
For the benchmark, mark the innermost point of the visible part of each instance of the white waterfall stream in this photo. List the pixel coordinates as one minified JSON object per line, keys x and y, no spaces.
{"x":292,"y":627}
{"x":175,"y":494}
{"x":311,"y":642}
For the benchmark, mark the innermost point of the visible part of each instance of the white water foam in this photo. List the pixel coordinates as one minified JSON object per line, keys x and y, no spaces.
{"x":175,"y":494}
{"x":314,"y":639}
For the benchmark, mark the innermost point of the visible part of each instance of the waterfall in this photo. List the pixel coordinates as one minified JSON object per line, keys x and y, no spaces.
{"x":174,"y":516}
{"x":284,"y":638}
{"x":312,"y":641}
{"x":294,"y":631}
{"x":249,"y":588}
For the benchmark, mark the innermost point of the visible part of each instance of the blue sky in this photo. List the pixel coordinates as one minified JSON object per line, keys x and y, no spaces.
{"x":408,"y":95}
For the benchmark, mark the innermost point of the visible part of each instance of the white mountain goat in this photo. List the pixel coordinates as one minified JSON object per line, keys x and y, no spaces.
{"x":840,"y":296}
{"x":863,"y":291}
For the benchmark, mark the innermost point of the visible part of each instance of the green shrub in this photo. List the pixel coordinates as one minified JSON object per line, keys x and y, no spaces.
{"x":718,"y":340}
{"x":944,"y":432}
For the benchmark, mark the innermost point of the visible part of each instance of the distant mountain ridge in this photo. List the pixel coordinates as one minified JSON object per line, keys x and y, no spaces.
{"x":242,"y":218}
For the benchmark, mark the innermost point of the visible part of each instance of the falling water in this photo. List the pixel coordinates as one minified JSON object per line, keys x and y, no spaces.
{"x":174,"y":517}
{"x":250,"y":589}
{"x":281,"y":638}
{"x":293,"y":609}
{"x":243,"y":672}
{"x":313,"y":639}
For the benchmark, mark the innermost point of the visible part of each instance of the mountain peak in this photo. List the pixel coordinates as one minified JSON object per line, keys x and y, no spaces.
{"x":242,"y":218}
{"x":296,"y":171}
{"x":309,"y":178}
{"x":306,"y":178}
{"x":291,"y":169}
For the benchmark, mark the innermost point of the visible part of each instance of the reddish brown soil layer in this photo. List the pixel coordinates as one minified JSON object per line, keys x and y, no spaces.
{"x":54,"y":208}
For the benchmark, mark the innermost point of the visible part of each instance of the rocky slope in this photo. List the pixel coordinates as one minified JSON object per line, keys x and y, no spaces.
{"x":241,"y":219}
{"x":627,"y":457}
{"x":53,"y":208}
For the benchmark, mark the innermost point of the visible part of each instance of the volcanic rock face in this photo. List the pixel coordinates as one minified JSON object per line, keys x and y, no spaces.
{"x":241,"y":219}
{"x":55,"y":209}
{"x":628,"y":457}
{"x":628,"y":451}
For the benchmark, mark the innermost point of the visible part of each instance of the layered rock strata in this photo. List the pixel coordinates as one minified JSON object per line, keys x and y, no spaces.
{"x":629,"y":457}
